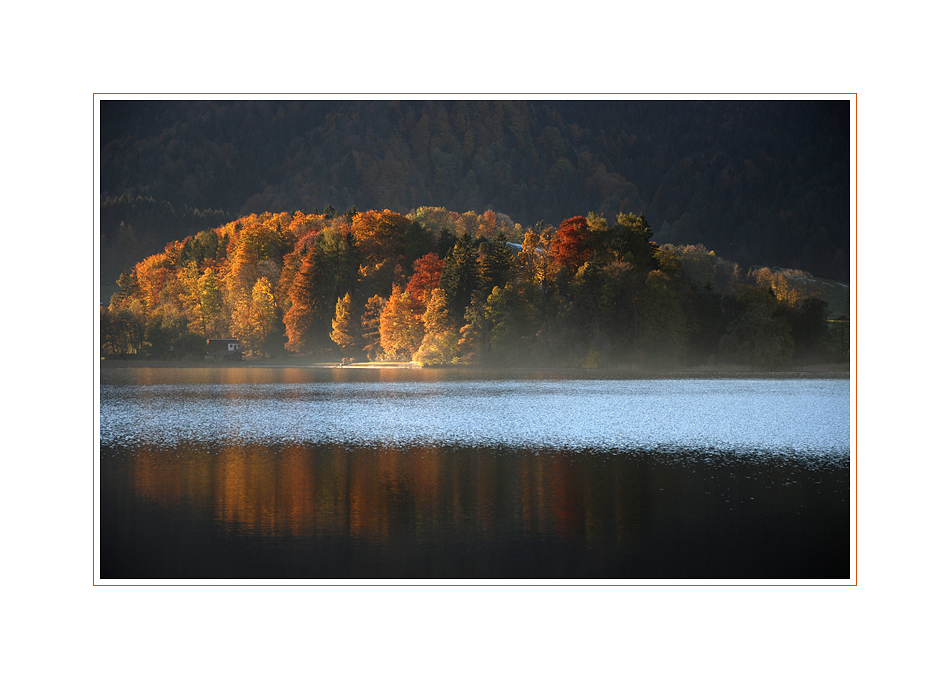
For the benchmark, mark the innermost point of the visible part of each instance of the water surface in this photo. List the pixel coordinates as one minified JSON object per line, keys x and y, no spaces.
{"x":314,"y":473}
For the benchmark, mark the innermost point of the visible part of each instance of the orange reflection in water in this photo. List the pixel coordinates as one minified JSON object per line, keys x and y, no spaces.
{"x":373,"y":494}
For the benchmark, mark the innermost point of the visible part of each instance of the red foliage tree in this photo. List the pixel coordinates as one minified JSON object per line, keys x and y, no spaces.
{"x":569,"y":247}
{"x":428,"y":273}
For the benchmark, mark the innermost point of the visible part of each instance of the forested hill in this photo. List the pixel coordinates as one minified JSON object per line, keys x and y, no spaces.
{"x":443,"y":288}
{"x":763,"y":183}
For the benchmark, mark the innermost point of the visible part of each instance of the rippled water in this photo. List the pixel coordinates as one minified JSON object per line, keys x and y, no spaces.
{"x":244,"y":472}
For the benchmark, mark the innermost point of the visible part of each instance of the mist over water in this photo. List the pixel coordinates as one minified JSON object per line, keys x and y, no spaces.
{"x":243,"y":472}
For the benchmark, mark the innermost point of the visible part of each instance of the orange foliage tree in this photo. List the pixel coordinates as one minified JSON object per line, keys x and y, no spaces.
{"x":379,"y":235}
{"x":400,"y":329}
{"x":151,"y":275}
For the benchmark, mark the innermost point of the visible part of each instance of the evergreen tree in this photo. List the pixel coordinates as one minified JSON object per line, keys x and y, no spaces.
{"x":511,"y":320}
{"x":632,"y":242}
{"x":758,"y":337}
{"x":370,"y":324}
{"x":495,"y":264}
{"x":460,"y":276}
{"x":663,"y":322}
{"x":328,"y":272}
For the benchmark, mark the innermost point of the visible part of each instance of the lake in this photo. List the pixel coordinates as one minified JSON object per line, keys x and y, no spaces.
{"x":273,"y":473}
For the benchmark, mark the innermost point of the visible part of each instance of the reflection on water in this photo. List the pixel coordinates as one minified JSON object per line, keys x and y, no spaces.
{"x":246,"y":473}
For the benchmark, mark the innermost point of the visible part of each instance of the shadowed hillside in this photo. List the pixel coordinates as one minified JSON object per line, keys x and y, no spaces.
{"x":758,"y":182}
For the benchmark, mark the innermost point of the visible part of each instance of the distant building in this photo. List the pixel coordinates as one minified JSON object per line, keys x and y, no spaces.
{"x":228,"y":349}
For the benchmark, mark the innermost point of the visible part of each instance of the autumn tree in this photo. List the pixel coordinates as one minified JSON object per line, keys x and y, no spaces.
{"x":128,"y":290}
{"x":582,"y":294}
{"x":203,"y":249}
{"x":151,"y":275}
{"x":343,"y":330}
{"x":435,"y":219}
{"x":487,"y":225}
{"x":188,"y":278}
{"x":263,"y":312}
{"x":531,"y":258}
{"x":467,"y":224}
{"x":254,"y":315}
{"x":400,"y":329}
{"x":428,"y":273}
{"x":258,"y":243}
{"x":440,"y":343}
{"x":570,"y":247}
{"x":379,"y":236}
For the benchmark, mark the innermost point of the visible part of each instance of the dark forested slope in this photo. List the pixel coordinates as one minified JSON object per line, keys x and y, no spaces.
{"x":761,"y":182}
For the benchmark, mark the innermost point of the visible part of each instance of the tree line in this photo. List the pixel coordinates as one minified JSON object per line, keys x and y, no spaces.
{"x":442,"y":288}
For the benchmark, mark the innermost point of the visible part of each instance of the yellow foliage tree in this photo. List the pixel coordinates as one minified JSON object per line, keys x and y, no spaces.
{"x":253,"y":315}
{"x":152,"y":274}
{"x":342,"y":332}
{"x":440,"y":346}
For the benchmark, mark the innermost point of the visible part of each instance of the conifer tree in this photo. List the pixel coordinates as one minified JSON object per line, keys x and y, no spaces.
{"x":460,"y":276}
{"x":370,"y":323}
{"x":327,"y":273}
{"x":632,"y":242}
{"x":495,"y":264}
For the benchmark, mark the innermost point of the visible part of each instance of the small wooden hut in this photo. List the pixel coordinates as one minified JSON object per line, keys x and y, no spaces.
{"x":228,"y":349}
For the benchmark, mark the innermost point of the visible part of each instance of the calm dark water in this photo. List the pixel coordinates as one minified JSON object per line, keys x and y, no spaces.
{"x":313,"y":473}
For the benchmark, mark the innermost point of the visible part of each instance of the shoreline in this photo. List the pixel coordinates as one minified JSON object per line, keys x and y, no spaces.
{"x":829,"y":370}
